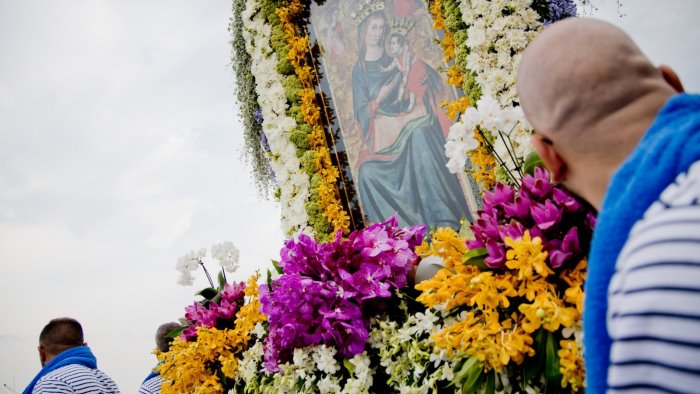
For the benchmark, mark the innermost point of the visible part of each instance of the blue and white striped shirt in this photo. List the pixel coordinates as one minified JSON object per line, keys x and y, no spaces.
{"x":654,"y":297}
{"x":76,"y":379}
{"x":151,"y":386}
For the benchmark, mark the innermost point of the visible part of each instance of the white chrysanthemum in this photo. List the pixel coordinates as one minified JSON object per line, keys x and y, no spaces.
{"x":227,"y":254}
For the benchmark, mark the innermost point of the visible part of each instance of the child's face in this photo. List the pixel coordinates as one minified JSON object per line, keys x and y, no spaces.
{"x":394,"y":46}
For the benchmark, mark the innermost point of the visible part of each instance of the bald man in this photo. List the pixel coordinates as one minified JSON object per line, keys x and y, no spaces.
{"x":68,"y":365}
{"x":621,"y":134}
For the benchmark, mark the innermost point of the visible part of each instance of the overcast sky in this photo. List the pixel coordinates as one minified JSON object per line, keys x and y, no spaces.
{"x":120,"y":152}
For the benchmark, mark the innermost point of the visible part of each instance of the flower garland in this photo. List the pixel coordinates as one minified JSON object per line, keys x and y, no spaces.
{"x":489,"y":37}
{"x":291,"y":118}
{"x":254,"y":150}
{"x":277,"y":125}
{"x":326,"y":175}
{"x":517,"y":286}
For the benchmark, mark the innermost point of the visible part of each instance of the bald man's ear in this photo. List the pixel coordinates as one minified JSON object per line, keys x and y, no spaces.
{"x":550,"y":157}
{"x":671,"y":77}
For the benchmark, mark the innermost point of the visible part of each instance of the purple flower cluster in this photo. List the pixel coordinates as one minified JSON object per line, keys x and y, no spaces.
{"x":328,"y":292}
{"x":215,"y":313}
{"x":560,"y":9}
{"x":564,"y":225}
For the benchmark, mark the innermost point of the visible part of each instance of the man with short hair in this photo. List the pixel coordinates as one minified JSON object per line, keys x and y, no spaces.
{"x":68,"y":365}
{"x":152,"y":383}
{"x":621,"y":134}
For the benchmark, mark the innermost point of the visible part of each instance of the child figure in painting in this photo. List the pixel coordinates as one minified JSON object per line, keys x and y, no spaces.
{"x":411,"y":86}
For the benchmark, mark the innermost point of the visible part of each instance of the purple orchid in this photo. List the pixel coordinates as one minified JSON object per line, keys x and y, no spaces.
{"x":328,"y":292}
{"x":546,"y":211}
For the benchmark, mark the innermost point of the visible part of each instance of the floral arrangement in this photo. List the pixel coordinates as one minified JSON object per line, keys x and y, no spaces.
{"x":486,"y":39}
{"x":215,"y":331}
{"x":328,"y":292}
{"x":322,"y":308}
{"x":517,"y":286}
{"x":282,"y":65}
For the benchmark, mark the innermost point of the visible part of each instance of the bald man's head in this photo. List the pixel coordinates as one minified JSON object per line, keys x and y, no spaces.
{"x":577,"y":73}
{"x":590,"y":92}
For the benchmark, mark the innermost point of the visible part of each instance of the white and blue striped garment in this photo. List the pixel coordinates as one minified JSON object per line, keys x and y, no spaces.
{"x":151,"y":386}
{"x":76,"y":379}
{"x":654,"y":297}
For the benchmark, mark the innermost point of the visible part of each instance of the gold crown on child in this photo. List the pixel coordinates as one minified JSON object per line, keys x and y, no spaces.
{"x":365,"y":9}
{"x":401,"y":25}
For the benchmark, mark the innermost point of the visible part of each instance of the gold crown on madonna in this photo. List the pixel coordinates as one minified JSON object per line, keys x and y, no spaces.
{"x":365,"y":9}
{"x":401,"y":25}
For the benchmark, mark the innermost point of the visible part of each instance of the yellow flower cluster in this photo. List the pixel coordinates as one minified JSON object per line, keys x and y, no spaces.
{"x":193,"y":367}
{"x":299,"y":56}
{"x":502,"y":309}
{"x":483,"y":164}
{"x":571,"y":365}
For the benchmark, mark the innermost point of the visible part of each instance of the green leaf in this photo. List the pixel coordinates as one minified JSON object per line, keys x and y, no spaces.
{"x":491,"y":383}
{"x":470,"y":375}
{"x":477,"y":252}
{"x":531,"y":161}
{"x":176,"y":331}
{"x":275,"y":264}
{"x":349,"y":366}
{"x":552,"y":364}
{"x":533,"y":366}
{"x":476,"y":258}
{"x":222,"y":280}
{"x":208,"y":293}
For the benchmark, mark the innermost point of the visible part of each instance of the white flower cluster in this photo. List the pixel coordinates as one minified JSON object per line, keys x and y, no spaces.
{"x":507,"y":126}
{"x":408,"y":354}
{"x":493,"y":39}
{"x":187,"y":264}
{"x":227,"y":254}
{"x":313,"y":369}
{"x":294,"y":183}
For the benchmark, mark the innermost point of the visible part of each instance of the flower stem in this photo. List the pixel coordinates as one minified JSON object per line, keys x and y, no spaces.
{"x":207,"y":273}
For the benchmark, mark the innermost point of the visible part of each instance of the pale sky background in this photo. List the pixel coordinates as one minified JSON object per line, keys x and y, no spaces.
{"x":120,"y":152}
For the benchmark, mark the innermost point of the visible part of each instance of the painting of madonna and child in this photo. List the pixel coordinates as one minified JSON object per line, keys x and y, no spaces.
{"x":382,"y":68}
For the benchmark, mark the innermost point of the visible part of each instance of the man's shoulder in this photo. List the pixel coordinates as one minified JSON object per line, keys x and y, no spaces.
{"x":77,"y":379}
{"x":151,"y":386}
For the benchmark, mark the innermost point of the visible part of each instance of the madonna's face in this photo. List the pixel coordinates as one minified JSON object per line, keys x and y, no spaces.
{"x":375,"y":31}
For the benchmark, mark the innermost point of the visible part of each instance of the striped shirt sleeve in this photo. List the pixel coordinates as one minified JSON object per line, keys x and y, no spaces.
{"x":654,"y":297}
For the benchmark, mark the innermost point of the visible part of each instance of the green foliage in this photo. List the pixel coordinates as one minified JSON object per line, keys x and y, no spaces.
{"x":453,"y":16}
{"x":300,"y":137}
{"x":471,"y":87}
{"x":285,"y":67}
{"x":278,"y":41}
{"x":253,"y":153}
{"x":294,"y":111}
{"x":292,"y":88}
{"x":308,"y":162}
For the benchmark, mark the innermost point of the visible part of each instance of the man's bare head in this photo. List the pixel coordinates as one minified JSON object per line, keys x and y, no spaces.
{"x":58,"y":335}
{"x":590,"y":94}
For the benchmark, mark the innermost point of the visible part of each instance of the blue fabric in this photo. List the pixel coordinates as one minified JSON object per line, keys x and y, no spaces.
{"x":154,"y":373}
{"x":81,"y":355}
{"x":669,"y":148}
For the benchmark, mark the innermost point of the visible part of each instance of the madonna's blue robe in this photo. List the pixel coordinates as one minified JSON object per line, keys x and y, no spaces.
{"x":409,"y":177}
